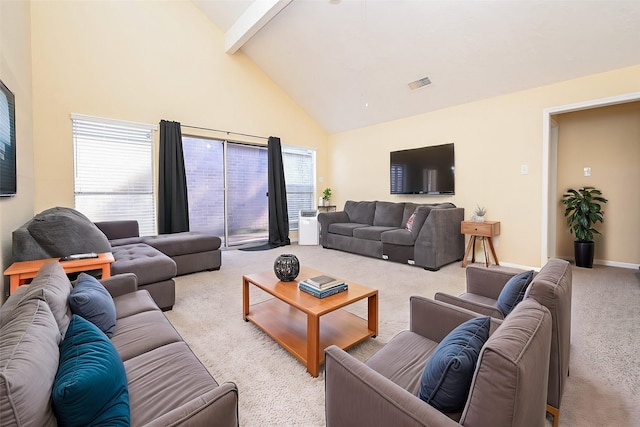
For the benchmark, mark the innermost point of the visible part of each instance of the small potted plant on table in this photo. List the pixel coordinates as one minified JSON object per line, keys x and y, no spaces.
{"x":326,"y":197}
{"x":583,"y":209}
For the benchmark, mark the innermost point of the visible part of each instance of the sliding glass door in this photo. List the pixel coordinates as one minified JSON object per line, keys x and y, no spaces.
{"x":227,"y":187}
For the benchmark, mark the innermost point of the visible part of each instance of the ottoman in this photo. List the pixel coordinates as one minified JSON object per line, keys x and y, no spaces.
{"x":192,"y":251}
{"x":155,"y":271}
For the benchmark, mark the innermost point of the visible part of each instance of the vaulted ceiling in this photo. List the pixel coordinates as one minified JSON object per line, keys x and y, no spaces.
{"x":348,"y":63}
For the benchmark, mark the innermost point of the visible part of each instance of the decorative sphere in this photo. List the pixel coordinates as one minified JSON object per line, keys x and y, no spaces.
{"x":286,"y":267}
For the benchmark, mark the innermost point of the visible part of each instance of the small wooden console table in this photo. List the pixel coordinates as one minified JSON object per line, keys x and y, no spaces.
{"x":487,"y":230}
{"x":21,"y":272}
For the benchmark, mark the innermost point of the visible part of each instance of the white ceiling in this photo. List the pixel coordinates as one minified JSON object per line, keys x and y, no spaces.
{"x":348,"y":63}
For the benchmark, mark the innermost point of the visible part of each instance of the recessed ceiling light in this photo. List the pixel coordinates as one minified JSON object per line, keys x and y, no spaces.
{"x":419,"y":83}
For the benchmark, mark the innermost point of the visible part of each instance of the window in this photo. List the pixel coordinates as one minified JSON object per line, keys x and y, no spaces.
{"x":299,"y":175}
{"x":114,"y":170}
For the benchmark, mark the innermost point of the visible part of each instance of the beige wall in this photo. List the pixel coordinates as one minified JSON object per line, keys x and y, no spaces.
{"x":493,"y":138}
{"x":607,"y":140}
{"x":143,"y":62}
{"x":15,"y":72}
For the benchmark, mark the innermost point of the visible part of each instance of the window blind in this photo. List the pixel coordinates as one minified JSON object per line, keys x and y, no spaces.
{"x":113,"y":173}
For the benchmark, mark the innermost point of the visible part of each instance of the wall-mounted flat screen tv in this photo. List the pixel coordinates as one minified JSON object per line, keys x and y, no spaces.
{"x":7,"y":142}
{"x":425,"y":170}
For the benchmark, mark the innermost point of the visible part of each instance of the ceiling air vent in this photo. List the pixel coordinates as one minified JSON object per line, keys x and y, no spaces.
{"x":420,"y":83}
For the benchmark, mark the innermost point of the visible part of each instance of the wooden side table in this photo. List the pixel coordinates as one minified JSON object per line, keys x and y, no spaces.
{"x":20,"y":272}
{"x":326,"y":208}
{"x":487,"y":230}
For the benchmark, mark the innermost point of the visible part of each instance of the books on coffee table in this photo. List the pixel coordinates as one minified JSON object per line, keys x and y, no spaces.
{"x":322,"y":293}
{"x":323,"y":282}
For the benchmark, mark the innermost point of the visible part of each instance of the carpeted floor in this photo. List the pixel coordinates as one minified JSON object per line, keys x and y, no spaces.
{"x":275,"y":389}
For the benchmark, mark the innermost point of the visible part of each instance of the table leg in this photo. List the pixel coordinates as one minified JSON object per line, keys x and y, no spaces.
{"x":245,"y":299}
{"x":466,"y":253}
{"x":106,"y":271}
{"x":473,"y":249}
{"x":372,"y":314}
{"x":493,"y":251}
{"x":14,"y":282}
{"x":313,"y":343}
{"x":486,"y":254}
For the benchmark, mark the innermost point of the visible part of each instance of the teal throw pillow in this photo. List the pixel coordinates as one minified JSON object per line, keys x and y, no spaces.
{"x":91,"y":300}
{"x":446,"y":378}
{"x":513,"y":292}
{"x":90,"y":388}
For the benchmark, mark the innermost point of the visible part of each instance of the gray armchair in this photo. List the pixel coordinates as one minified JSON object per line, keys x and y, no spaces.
{"x":551,"y":287}
{"x":508,"y":387}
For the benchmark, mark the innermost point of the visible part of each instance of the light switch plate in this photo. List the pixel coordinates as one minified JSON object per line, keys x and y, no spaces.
{"x":524,"y":169}
{"x":587,"y":171}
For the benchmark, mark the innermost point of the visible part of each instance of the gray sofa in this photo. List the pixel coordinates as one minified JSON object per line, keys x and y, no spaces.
{"x":508,"y":387}
{"x":155,"y":260}
{"x":379,"y":229}
{"x":167,"y":384}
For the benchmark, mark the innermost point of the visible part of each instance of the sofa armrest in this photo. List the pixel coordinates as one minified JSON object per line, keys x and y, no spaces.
{"x":327,"y":218}
{"x":477,"y":307}
{"x":487,"y":282}
{"x":121,"y":284}
{"x":218,"y":407}
{"x":356,"y":395}
{"x":115,"y":230}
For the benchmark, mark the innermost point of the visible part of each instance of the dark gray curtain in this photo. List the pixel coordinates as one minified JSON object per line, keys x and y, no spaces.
{"x":173,"y":207}
{"x":278,"y":214}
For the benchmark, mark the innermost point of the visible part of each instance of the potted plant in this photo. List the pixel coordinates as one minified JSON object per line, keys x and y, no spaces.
{"x":326,"y":197}
{"x":478,"y":214}
{"x":583,"y":209}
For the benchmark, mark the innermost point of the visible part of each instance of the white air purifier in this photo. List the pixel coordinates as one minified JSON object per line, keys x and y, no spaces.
{"x":308,"y":227}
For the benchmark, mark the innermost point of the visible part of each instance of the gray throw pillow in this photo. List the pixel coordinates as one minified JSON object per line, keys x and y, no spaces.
{"x":64,"y":231}
{"x":90,"y":300}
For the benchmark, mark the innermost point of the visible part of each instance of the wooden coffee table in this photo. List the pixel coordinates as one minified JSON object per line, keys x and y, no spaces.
{"x":21,"y":272}
{"x":292,"y":318}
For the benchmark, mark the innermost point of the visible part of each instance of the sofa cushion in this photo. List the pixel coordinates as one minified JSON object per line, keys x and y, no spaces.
{"x":132,"y":337}
{"x":345,"y":228}
{"x":360,"y":212}
{"x":409,"y":210}
{"x":133,"y":303}
{"x":422,"y":212}
{"x":398,"y":236}
{"x":90,"y":300}
{"x":388,"y":214}
{"x":52,"y":285}
{"x":513,"y":292}
{"x":183,"y":243}
{"x":28,"y":363}
{"x":446,"y":379}
{"x":371,"y":233}
{"x":90,"y":387}
{"x":65,"y":231}
{"x":164,"y":379}
{"x":147,"y":263}
{"x":403,"y":359}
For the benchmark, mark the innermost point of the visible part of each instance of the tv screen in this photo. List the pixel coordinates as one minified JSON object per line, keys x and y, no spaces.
{"x":426,"y":170}
{"x":7,"y":142}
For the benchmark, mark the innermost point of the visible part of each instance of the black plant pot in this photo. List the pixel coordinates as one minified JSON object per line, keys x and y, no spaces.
{"x":584,"y":253}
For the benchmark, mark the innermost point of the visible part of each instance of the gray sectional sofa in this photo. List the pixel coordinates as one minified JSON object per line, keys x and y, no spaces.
{"x":166,"y":384}
{"x":155,"y":260}
{"x":426,"y":235}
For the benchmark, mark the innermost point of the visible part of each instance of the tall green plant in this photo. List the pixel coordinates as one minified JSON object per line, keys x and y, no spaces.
{"x":583,"y":210}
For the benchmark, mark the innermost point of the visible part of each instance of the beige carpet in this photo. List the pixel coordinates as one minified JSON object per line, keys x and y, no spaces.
{"x":275,"y":389}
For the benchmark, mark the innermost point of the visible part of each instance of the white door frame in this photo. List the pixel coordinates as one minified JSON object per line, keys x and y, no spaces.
{"x":550,"y":165}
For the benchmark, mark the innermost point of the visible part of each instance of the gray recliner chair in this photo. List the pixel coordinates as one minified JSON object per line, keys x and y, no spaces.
{"x":509,"y":386}
{"x":552,"y":288}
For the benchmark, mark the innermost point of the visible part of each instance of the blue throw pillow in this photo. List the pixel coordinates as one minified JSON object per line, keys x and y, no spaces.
{"x":89,"y":299}
{"x":446,"y":378}
{"x":90,"y":388}
{"x":513,"y":292}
